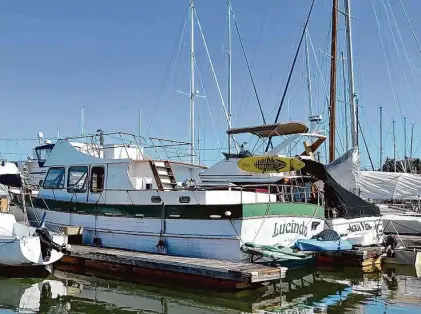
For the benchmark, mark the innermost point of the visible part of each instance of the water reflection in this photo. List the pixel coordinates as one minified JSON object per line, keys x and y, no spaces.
{"x":323,"y":291}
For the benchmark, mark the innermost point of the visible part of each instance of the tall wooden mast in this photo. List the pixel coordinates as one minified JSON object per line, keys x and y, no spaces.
{"x":332,"y":104}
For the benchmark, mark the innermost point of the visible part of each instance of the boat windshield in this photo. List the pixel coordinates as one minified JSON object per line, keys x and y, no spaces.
{"x":43,"y":152}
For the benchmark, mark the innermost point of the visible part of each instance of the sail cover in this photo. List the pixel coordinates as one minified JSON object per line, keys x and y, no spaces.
{"x":376,"y":185}
{"x":346,"y":203}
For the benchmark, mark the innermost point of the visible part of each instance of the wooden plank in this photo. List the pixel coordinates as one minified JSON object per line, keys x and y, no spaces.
{"x":235,"y":271}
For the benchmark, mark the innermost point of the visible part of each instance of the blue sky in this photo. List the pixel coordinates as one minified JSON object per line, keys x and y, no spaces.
{"x":111,"y":57}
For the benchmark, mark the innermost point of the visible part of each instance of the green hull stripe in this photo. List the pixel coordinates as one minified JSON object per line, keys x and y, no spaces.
{"x":284,"y":209}
{"x":183,"y":210}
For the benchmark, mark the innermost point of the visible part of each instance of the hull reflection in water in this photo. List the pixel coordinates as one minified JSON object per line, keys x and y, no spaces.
{"x":303,"y":291}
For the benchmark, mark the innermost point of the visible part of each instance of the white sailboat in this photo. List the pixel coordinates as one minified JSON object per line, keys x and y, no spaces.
{"x":363,"y":228}
{"x":387,"y":189}
{"x":21,"y":245}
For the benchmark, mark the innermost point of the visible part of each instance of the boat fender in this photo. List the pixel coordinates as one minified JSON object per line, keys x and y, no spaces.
{"x":161,"y":247}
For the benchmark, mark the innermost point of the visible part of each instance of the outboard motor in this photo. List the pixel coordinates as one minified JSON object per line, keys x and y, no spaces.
{"x":47,"y":244}
{"x":390,"y":244}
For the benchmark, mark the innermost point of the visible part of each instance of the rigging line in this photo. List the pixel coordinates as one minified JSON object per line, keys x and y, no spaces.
{"x":365,"y":144}
{"x":252,"y":62}
{"x":405,"y":51}
{"x":410,"y":25}
{"x":386,"y":61}
{"x":319,"y":69}
{"x":248,"y":67}
{"x":212,"y":68}
{"x":167,"y":72}
{"x":293,"y":64}
{"x":182,"y":43}
{"x":397,"y":50}
{"x":369,"y":128}
{"x":208,"y":106}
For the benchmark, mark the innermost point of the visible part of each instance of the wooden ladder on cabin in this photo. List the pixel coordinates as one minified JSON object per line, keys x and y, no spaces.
{"x":164,"y":176}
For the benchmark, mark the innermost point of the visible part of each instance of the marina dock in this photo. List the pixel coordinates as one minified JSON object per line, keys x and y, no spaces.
{"x":368,"y":258}
{"x":158,"y":268}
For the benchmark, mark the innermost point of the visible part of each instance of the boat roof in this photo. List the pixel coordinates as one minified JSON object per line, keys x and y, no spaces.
{"x":269,"y":130}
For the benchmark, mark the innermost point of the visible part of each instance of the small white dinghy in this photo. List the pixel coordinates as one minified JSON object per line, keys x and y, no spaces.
{"x":22,"y":245}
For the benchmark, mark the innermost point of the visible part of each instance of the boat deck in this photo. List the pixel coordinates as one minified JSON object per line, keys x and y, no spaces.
{"x":138,"y":266}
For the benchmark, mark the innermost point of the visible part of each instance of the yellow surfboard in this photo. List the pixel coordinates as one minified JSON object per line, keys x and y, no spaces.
{"x":267,"y":164}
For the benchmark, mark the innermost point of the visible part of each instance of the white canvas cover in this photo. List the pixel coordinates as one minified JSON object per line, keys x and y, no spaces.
{"x":389,"y":185}
{"x":344,"y":170}
{"x":376,"y":185}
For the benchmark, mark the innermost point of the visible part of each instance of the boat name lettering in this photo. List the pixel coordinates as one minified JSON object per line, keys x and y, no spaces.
{"x":359,"y":227}
{"x":290,"y":227}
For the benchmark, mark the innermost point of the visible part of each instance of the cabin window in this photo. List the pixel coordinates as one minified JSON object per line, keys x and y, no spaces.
{"x":97,"y":179}
{"x":77,"y":179}
{"x":54,"y":179}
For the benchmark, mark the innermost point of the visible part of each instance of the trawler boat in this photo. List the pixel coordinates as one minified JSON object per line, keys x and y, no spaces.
{"x":360,"y":225}
{"x":34,"y":169}
{"x":125,"y":199}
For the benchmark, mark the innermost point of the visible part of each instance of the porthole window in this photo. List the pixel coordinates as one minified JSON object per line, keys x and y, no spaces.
{"x":156,"y":199}
{"x":184,"y":199}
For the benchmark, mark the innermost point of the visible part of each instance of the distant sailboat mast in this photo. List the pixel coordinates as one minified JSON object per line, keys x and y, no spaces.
{"x":229,"y":74}
{"x":192,"y":85}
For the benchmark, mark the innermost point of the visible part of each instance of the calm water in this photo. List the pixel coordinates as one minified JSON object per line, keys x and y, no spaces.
{"x":396,"y":290}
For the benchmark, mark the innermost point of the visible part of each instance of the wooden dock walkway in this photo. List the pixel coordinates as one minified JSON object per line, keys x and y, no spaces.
{"x":160,"y":268}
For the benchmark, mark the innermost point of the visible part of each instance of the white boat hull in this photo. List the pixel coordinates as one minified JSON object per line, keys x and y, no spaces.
{"x":364,"y":231}
{"x":211,"y":238}
{"x":19,"y":246}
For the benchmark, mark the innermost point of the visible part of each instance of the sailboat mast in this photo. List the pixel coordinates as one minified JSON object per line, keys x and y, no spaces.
{"x":82,"y":121}
{"x":353,"y":107}
{"x":412,"y":139}
{"x":229,"y":73}
{"x":332,"y":109}
{"x":192,"y":87}
{"x":310,"y":99}
{"x":140,"y":123}
{"x":404,"y":137}
{"x":345,"y":102}
{"x":394,"y":146}
{"x":381,"y":137}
